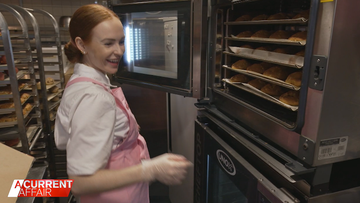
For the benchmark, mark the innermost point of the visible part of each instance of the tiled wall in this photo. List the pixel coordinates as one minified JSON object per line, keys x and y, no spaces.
{"x":57,"y":8}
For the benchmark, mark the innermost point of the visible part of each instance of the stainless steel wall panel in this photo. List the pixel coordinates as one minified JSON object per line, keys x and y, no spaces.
{"x":182,"y":115}
{"x":321,"y":47}
{"x":340,"y":112}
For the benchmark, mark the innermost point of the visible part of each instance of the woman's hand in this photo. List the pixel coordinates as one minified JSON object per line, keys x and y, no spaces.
{"x":168,"y":168}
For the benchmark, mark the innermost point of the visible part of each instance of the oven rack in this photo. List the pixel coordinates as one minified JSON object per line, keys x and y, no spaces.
{"x":259,"y":58}
{"x":301,"y":21}
{"x":267,"y":40}
{"x":264,"y":77}
{"x":259,"y":93}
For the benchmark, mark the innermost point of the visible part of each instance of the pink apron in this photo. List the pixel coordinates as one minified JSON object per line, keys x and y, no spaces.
{"x":129,"y":153}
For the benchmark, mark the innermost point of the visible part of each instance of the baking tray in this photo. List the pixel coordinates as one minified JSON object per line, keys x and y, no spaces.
{"x":264,"y":77}
{"x":288,"y":60}
{"x":30,"y":133}
{"x":10,"y":110}
{"x":259,"y":93}
{"x":52,"y":95}
{"x":267,"y":40}
{"x":13,"y":123}
{"x":3,"y":67}
{"x":52,"y":105}
{"x":19,"y":75}
{"x":10,"y":96}
{"x":267,"y":22}
{"x":9,"y":133}
{"x":49,"y":68}
{"x":47,"y":86}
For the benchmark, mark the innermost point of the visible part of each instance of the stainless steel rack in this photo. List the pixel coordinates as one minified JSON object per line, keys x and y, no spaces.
{"x":25,"y":125}
{"x":46,"y":42}
{"x":27,"y":46}
{"x":231,"y":53}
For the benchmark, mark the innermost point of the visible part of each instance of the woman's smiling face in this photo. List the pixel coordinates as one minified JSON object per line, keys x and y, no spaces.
{"x":106,"y":46}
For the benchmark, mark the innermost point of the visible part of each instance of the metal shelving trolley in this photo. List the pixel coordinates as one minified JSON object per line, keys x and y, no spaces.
{"x":20,"y":114}
{"x":31,"y":84}
{"x":47,"y":57}
{"x":20,"y":109}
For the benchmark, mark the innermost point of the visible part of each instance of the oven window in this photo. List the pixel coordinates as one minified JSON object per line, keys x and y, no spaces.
{"x":151,"y":43}
{"x":223,"y":187}
{"x":157,"y":44}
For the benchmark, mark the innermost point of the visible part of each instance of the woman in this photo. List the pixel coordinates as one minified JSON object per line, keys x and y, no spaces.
{"x":106,"y":156}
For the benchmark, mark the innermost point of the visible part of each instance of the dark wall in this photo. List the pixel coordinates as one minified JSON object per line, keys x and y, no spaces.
{"x":148,"y":106}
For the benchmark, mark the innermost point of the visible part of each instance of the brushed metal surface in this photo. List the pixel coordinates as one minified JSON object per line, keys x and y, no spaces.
{"x":198,"y":53}
{"x":182,"y":119}
{"x":340,"y":110}
{"x":346,"y":196}
{"x":321,"y":47}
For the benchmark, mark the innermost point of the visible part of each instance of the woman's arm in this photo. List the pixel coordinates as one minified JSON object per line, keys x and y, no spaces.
{"x":105,"y":180}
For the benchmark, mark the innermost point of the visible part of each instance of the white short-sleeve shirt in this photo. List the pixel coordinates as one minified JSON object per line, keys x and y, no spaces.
{"x":88,"y":123}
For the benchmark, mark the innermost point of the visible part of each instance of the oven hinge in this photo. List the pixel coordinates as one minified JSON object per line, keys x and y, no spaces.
{"x":317,"y":72}
{"x":306,"y":150}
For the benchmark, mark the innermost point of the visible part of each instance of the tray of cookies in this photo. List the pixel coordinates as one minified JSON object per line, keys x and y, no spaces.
{"x":271,"y":92}
{"x":286,"y":37}
{"x":10,"y":120}
{"x":6,"y":93}
{"x":49,"y":84}
{"x":278,"y":75}
{"x":9,"y":107}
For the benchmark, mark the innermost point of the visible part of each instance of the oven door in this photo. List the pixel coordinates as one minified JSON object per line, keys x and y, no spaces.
{"x":163,"y":46}
{"x":223,"y":175}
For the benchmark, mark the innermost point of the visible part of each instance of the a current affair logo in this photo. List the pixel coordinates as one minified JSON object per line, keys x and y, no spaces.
{"x":40,"y":188}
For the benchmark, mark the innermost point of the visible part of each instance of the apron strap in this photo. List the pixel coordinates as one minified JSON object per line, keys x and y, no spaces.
{"x":86,"y":79}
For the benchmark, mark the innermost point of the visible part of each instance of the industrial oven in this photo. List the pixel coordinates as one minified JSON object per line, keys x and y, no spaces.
{"x":277,"y":89}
